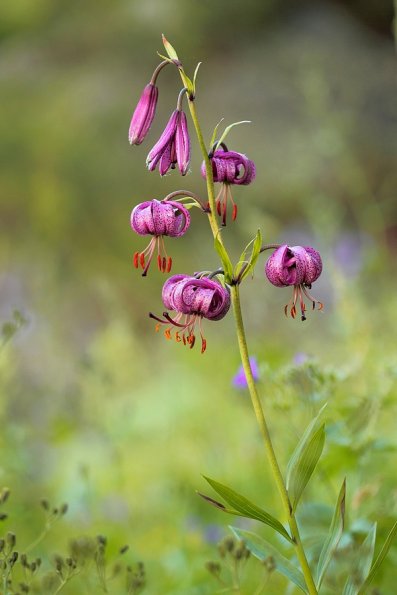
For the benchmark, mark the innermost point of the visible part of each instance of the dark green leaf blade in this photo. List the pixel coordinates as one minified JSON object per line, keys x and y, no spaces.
{"x":334,"y":535}
{"x":305,"y":465}
{"x":246,"y":508}
{"x":263,"y":550}
{"x":311,"y":428}
{"x":380,"y":557}
{"x":227,"y":265}
{"x":362,"y":564}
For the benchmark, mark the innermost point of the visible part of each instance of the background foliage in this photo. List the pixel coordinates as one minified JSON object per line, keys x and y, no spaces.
{"x":95,"y":408}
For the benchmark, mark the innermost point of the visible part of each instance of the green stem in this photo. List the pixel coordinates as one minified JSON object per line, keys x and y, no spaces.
{"x":242,"y":342}
{"x":260,"y":416}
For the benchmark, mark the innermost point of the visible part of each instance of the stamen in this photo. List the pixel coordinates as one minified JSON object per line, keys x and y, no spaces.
{"x":167,"y":333}
{"x":164,"y":264}
{"x":142,"y":259}
{"x":218,"y":207}
{"x":234,"y":212}
{"x":159,"y":262}
{"x":169,"y":264}
{"x":136,"y":260}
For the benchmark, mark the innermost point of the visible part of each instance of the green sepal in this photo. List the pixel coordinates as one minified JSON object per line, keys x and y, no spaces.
{"x":244,"y":267}
{"x":311,"y":428}
{"x":228,"y":129}
{"x":305,"y":465}
{"x":263,"y":550}
{"x":169,"y":49}
{"x":333,"y":537}
{"x":226,"y":263}
{"x":195,"y":77}
{"x":244,"y":507}
{"x":379,"y":559}
{"x":362,"y":564}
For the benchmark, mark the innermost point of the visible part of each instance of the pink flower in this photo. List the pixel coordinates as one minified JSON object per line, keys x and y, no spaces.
{"x":173,"y":146}
{"x":298,"y":266}
{"x":192,"y":299}
{"x":229,"y":168}
{"x":158,"y":218}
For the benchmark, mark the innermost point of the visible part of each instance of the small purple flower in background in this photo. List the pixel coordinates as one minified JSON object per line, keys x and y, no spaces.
{"x":158,"y":218}
{"x":298,"y":266}
{"x":239,"y":380}
{"x":229,"y":167}
{"x":193,"y":299}
{"x":143,"y":115}
{"x":300,"y":358}
{"x":173,"y":146}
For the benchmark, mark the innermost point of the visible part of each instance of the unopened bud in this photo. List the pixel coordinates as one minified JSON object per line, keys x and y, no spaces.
{"x":11,"y":539}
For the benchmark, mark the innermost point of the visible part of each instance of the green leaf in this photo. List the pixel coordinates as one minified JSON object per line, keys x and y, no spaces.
{"x":311,"y":428}
{"x":227,"y":265}
{"x":263,"y":550}
{"x":305,"y":465}
{"x":381,"y":556}
{"x":195,"y":76}
{"x":362,"y":564}
{"x":213,"y":137}
{"x":333,"y":537}
{"x":247,"y":266}
{"x":246,"y":508}
{"x":169,"y":49}
{"x":228,"y":129}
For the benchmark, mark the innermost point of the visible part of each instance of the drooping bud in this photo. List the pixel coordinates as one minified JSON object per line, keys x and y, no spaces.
{"x":143,"y":115}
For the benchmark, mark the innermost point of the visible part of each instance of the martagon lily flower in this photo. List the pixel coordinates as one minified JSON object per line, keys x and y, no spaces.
{"x":298,"y":266}
{"x":158,"y":218}
{"x":173,"y":146}
{"x":192,"y":299}
{"x":144,"y":112}
{"x":229,"y":168}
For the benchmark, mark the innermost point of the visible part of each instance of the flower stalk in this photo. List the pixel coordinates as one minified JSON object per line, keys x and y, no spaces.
{"x":244,"y":354}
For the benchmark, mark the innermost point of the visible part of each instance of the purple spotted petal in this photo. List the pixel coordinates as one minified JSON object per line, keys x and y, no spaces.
{"x":231,"y":167}
{"x":158,"y":218}
{"x":314,"y":265}
{"x":285,"y":267}
{"x":143,"y":115}
{"x":189,"y":295}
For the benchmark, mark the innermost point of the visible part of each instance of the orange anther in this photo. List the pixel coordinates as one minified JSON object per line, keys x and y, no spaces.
{"x":136,"y":261}
{"x":164,"y":264}
{"x":234,"y":212}
{"x":203,"y":345}
{"x":169,"y":264}
{"x":159,"y":262}
{"x":218,"y":207}
{"x":142,"y":260}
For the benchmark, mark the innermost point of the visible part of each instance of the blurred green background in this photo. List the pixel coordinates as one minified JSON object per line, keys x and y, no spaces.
{"x":98,"y":410}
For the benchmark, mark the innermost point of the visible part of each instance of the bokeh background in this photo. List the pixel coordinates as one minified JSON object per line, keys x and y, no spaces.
{"x":98,"y":410}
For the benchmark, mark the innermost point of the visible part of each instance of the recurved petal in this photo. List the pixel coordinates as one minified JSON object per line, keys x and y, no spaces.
{"x":314,"y":265}
{"x":142,"y":219}
{"x":286,"y":266}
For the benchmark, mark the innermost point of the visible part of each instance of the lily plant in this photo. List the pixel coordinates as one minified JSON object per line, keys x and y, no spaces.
{"x":208,"y":295}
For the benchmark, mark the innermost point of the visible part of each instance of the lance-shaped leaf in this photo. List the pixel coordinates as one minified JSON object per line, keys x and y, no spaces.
{"x":228,"y":129}
{"x":334,"y":535}
{"x":245,"y":266}
{"x":243,"y":507}
{"x":379,"y":559}
{"x":362,"y":564}
{"x":263,"y":550}
{"x":227,"y":265}
{"x":311,"y":428}
{"x":305,"y":465}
